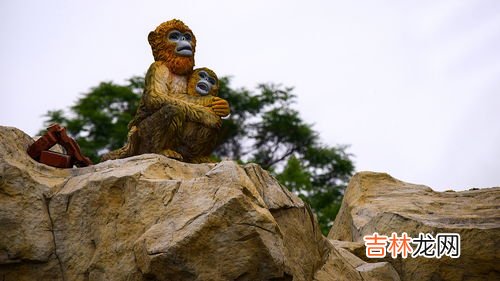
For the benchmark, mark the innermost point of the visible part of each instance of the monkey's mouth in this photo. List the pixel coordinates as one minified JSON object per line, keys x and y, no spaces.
{"x":184,"y":49}
{"x":188,"y":48}
{"x":202,"y":88}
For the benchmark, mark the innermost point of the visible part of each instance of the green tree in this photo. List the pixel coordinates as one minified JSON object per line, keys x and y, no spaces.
{"x":263,"y":128}
{"x":98,"y":120}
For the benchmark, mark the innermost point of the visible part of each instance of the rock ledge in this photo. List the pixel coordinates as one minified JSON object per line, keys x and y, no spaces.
{"x":150,"y":218}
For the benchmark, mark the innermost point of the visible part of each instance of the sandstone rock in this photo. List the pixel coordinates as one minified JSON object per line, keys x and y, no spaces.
{"x":344,"y":266}
{"x":376,"y":202}
{"x":26,"y":240}
{"x":153,"y":218}
{"x":150,"y":218}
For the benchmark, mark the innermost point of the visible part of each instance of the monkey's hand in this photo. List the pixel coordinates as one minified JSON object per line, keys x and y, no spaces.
{"x":220,"y":107}
{"x":201,"y":114}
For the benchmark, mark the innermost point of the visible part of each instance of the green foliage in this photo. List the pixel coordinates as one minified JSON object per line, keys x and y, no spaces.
{"x":99,"y":118}
{"x":262,"y":128}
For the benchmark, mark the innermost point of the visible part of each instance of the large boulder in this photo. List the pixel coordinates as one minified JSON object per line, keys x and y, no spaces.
{"x":150,"y":218}
{"x":343,"y":265}
{"x":376,"y":202}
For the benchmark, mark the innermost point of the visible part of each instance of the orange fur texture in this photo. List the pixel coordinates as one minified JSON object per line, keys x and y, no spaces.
{"x":163,"y":50}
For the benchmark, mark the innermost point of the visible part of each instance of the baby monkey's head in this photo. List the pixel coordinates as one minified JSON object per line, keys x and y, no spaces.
{"x":203,"y":81}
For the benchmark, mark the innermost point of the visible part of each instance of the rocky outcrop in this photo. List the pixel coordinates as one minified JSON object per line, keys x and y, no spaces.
{"x":150,"y":218}
{"x":343,"y":265}
{"x":376,"y":202}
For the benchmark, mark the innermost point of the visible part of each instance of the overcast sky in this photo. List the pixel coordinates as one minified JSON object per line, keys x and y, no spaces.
{"x":412,"y":86}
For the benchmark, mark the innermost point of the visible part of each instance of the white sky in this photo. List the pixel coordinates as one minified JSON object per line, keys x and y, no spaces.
{"x":412,"y":86}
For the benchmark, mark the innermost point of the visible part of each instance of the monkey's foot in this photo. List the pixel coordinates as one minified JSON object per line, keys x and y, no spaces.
{"x":115,"y":154}
{"x":172,"y":154}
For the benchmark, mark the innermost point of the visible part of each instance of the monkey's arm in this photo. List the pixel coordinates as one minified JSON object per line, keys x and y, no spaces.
{"x":156,"y":90}
{"x":218,"y":105}
{"x":205,"y":101}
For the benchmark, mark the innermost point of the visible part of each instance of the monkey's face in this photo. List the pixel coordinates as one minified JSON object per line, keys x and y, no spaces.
{"x":203,"y":82}
{"x":182,"y":42}
{"x":174,"y":43}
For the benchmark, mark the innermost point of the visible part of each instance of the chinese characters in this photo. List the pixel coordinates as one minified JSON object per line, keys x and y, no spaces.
{"x":425,"y":245}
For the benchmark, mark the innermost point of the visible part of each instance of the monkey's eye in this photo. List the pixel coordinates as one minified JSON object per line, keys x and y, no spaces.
{"x":174,"y":35}
{"x":203,"y":74}
{"x":211,"y":80}
{"x":187,"y":36}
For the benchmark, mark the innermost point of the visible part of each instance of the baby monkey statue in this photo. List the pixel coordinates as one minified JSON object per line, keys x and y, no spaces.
{"x":179,"y":114}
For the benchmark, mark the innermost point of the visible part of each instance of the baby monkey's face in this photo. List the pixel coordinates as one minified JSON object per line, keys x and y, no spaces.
{"x":204,"y":81}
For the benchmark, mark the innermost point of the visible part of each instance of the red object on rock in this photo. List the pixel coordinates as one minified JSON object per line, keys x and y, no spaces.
{"x":56,"y":134}
{"x":55,"y":159}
